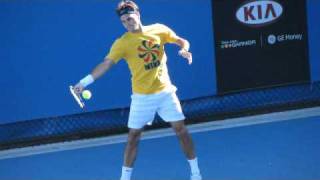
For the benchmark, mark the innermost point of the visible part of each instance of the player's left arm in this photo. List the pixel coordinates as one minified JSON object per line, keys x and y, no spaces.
{"x":184,"y":51}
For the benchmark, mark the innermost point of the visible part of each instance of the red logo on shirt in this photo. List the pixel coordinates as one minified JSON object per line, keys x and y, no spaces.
{"x":149,"y":51}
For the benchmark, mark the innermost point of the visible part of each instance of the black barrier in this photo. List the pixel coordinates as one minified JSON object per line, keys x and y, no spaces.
{"x":260,"y":43}
{"x":109,"y":122}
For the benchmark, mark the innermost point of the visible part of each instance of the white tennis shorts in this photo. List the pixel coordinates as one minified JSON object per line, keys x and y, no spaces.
{"x":144,"y":107}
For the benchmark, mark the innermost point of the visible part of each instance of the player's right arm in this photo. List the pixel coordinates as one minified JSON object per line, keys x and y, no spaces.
{"x":102,"y":68}
{"x":97,"y":72}
{"x":115,"y":54}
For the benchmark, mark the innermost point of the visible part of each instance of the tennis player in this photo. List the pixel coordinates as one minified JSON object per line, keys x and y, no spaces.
{"x":142,"y":47}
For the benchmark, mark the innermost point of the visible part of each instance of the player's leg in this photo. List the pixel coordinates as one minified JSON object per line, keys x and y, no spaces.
{"x":171,"y":111}
{"x":131,"y":147}
{"x":187,"y":147}
{"x":142,"y":111}
{"x":130,"y":153}
{"x":184,"y":138}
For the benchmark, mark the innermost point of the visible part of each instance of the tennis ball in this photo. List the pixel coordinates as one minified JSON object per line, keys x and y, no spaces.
{"x":86,"y":94}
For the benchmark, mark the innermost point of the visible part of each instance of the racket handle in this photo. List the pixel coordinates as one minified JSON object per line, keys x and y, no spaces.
{"x":76,"y":97}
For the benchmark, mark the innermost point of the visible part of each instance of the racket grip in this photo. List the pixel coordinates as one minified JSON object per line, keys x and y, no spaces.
{"x":76,"y":97}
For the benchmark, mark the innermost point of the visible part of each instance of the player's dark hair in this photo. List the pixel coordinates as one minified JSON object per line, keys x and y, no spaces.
{"x":127,"y":7}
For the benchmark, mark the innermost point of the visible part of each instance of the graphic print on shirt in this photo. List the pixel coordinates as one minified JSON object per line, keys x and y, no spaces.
{"x":149,"y":52}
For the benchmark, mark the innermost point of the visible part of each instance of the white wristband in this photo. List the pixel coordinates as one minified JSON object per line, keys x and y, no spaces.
{"x":87,"y":80}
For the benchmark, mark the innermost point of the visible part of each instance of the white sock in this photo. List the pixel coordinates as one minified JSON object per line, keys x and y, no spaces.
{"x":126,"y":173}
{"x":194,"y":166}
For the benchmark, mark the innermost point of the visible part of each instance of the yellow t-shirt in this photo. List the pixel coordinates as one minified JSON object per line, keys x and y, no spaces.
{"x":145,"y":56}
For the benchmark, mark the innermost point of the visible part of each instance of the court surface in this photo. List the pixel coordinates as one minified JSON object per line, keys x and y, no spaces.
{"x":277,"y":146}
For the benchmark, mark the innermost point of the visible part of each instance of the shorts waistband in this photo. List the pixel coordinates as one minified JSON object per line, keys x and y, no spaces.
{"x":168,"y":89}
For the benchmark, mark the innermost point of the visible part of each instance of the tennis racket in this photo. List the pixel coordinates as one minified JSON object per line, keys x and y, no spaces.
{"x":76,"y":97}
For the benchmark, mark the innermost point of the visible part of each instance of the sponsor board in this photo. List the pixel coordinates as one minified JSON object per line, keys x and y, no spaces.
{"x":260,"y":43}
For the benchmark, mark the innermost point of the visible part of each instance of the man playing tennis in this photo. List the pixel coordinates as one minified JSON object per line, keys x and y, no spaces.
{"x":143,"y":49}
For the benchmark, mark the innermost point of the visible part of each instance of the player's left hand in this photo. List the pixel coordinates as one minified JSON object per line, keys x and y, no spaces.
{"x":186,"y":54}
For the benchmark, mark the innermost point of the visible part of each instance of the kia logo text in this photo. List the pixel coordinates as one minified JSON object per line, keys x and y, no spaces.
{"x":259,"y":13}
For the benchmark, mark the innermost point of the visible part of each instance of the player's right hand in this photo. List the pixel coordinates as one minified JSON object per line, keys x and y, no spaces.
{"x":78,"y":88}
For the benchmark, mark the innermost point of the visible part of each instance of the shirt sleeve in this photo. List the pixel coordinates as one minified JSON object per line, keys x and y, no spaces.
{"x":116,"y":52}
{"x":169,"y":35}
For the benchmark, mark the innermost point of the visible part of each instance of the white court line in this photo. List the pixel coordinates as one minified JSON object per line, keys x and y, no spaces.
{"x":203,"y":127}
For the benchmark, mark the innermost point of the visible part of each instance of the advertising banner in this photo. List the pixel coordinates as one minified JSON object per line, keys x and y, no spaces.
{"x":260,"y":43}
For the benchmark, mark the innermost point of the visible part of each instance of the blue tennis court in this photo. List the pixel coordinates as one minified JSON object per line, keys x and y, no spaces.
{"x":284,"y":146}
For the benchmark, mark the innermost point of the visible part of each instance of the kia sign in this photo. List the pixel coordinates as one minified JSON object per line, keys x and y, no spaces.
{"x":259,"y":12}
{"x":259,"y":44}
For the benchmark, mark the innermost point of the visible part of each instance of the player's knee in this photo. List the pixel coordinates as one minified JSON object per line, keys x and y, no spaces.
{"x":180,"y":129}
{"x":134,"y":136}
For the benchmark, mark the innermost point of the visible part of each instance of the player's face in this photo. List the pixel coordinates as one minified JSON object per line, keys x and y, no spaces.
{"x":131,"y":22}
